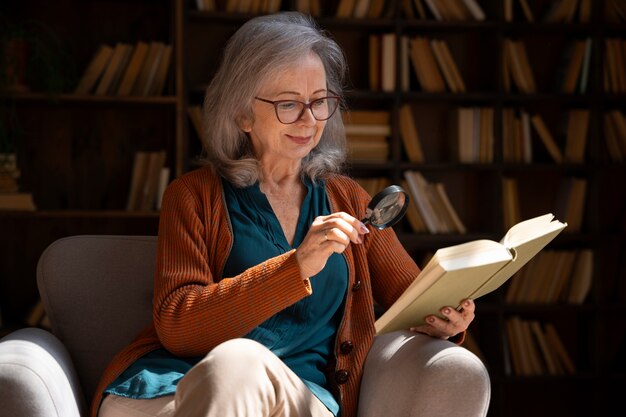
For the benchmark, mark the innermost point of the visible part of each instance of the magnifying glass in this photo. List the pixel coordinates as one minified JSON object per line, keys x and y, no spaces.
{"x":387,"y":207}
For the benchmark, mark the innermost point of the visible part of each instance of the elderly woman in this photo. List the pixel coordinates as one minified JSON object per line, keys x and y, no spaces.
{"x":266,"y":278}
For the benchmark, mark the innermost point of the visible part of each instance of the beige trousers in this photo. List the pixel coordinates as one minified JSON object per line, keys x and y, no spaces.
{"x":405,"y":375}
{"x":240,"y":377}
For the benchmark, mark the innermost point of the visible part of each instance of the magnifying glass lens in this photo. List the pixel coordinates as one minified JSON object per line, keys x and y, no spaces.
{"x":387,"y":207}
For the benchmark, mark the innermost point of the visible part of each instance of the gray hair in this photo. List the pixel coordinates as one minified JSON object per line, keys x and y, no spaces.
{"x":259,"y":49}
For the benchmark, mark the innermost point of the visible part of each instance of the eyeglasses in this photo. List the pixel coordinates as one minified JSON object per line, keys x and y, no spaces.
{"x":290,"y":111}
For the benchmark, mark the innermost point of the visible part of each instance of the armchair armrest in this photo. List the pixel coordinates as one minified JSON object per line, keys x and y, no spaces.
{"x":37,"y":376}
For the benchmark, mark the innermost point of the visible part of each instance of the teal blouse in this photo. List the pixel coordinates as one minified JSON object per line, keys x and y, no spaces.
{"x":302,"y":335}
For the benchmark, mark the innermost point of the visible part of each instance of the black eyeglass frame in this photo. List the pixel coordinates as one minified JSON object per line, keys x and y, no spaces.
{"x":306,"y":106}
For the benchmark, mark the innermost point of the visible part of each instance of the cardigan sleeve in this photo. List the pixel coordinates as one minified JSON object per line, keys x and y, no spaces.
{"x":193,"y":311}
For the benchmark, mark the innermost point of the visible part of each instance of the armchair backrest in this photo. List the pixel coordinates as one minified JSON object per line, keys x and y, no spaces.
{"x":97,"y":291}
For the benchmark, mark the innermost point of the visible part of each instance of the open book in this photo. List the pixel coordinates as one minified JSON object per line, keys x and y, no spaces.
{"x":468,"y":270}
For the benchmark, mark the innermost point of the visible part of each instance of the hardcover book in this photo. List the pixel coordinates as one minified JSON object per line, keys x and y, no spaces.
{"x":468,"y":270}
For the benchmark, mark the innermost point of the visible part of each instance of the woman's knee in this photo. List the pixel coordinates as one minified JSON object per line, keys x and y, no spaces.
{"x":413,"y":373}
{"x":234,"y":355}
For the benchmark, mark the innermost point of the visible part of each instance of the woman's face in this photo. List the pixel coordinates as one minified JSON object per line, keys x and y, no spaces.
{"x":275,"y":142}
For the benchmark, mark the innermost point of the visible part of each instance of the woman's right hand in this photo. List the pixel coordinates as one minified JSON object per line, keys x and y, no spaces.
{"x":327,"y":235}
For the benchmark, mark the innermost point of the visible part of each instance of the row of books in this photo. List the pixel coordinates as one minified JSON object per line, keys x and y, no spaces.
{"x":553,"y":276}
{"x":517,"y":128}
{"x":615,"y":134}
{"x":361,"y":9}
{"x":536,"y":348}
{"x":430,"y":208}
{"x":615,"y":65}
{"x":475,"y":135}
{"x":518,"y":72}
{"x":430,"y":59}
{"x":127,"y":70}
{"x":569,"y":203}
{"x":561,"y":11}
{"x":443,"y":10}
{"x":149,"y":178}
{"x":435,"y":69}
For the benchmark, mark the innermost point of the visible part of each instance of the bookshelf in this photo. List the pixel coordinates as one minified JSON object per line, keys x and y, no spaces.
{"x":90,"y":142}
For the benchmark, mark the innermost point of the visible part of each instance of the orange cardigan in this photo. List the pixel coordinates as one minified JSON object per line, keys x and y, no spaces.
{"x":195,"y":308}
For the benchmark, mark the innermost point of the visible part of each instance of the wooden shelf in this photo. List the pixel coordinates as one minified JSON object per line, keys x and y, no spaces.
{"x":77,"y":151}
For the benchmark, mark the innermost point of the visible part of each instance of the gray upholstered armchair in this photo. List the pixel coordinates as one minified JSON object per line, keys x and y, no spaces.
{"x":97,"y":292}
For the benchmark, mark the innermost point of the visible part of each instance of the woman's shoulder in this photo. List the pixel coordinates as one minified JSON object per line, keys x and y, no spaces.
{"x":346,"y":191}
{"x":202,"y":176}
{"x":201,"y":184}
{"x":340,"y":183}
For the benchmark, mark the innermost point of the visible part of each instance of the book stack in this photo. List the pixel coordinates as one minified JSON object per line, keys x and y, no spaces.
{"x":11,"y":198}
{"x":433,"y":204}
{"x":553,"y":276}
{"x":537,"y":349}
{"x":127,"y":70}
{"x":367,"y":133}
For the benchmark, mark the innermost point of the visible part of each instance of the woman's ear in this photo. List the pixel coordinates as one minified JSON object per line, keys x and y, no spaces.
{"x":245,"y":124}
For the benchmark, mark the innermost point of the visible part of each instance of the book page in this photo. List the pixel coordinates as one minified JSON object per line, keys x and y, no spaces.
{"x":525,"y":240}
{"x":450,"y":276}
{"x":468,"y":270}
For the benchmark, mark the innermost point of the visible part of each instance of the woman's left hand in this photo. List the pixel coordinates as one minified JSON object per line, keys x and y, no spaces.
{"x":454,"y":323}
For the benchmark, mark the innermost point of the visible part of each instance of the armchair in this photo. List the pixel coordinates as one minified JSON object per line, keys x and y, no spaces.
{"x":97,"y":292}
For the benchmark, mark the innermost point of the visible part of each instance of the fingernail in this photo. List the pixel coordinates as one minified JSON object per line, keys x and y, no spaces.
{"x":446,"y":311}
{"x":430,"y":319}
{"x":466,"y":303}
{"x":364,"y":230}
{"x":358,"y":239}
